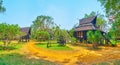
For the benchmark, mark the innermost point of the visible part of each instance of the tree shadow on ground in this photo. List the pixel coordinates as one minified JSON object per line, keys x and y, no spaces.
{"x":87,"y":46}
{"x":7,"y":48}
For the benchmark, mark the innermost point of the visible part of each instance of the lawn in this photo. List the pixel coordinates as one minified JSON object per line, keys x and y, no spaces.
{"x":11,"y":56}
{"x":54,"y":46}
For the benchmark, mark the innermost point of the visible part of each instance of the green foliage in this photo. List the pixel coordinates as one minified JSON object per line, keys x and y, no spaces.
{"x":95,"y":37}
{"x":43,"y":35}
{"x":54,"y":46}
{"x":73,"y":40}
{"x":101,"y":23}
{"x":112,"y":7}
{"x":113,"y":62}
{"x":57,"y":32}
{"x":44,"y":23}
{"x":18,"y":59}
{"x":98,"y":36}
{"x":65,"y":35}
{"x":111,"y":37}
{"x":90,"y":36}
{"x":8,"y":32}
{"x":113,"y":43}
{"x":11,"y":46}
{"x":90,"y":15}
{"x":71,"y":34}
{"x":2,"y":9}
{"x":62,"y":36}
{"x":61,"y":40}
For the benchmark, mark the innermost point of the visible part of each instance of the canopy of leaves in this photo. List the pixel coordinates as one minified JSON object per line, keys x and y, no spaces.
{"x":44,"y":23}
{"x":43,"y":35}
{"x":95,"y":37}
{"x":2,"y":9}
{"x":112,"y":7}
{"x":9,"y":31}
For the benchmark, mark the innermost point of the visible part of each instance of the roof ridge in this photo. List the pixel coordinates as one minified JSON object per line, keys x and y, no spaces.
{"x":87,"y":17}
{"x":86,"y":20}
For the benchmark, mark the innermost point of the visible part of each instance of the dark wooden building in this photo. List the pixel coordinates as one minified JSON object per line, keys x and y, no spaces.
{"x":25,"y":34}
{"x":84,"y":26}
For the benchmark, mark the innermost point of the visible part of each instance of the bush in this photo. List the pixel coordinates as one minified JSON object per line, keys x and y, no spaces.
{"x":95,"y":37}
{"x":73,"y":40}
{"x":61,"y":40}
{"x":43,"y":35}
{"x":113,"y":43}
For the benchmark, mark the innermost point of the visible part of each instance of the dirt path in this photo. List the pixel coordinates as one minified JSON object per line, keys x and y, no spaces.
{"x":78,"y":56}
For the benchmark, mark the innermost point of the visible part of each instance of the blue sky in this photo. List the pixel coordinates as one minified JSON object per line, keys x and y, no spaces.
{"x":65,"y":12}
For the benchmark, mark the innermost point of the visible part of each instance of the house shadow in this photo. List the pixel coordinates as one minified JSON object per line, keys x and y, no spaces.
{"x":87,"y":46}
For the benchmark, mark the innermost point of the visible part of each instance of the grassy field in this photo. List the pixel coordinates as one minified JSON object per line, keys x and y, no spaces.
{"x":11,"y":46}
{"x":54,"y":46}
{"x":114,"y":62}
{"x":11,"y":56}
{"x":17,"y":59}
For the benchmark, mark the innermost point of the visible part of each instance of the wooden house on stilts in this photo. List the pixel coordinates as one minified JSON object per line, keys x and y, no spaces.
{"x":85,"y":24}
{"x":25,"y":34}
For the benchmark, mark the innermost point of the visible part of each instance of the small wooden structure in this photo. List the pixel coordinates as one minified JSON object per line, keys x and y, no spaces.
{"x":85,"y":24}
{"x":25,"y":35}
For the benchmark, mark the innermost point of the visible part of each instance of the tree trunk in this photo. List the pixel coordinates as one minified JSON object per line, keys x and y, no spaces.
{"x":94,"y":45}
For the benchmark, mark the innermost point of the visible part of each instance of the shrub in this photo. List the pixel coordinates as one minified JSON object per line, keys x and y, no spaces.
{"x":43,"y":35}
{"x":61,"y":40}
{"x":73,"y":40}
{"x":95,"y":37}
{"x":113,"y":43}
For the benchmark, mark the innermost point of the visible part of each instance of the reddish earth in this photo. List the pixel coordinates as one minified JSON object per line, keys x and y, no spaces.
{"x":78,"y":56}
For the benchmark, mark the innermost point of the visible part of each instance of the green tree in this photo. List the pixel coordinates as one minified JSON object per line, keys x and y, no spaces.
{"x":71,"y":34}
{"x":90,"y":15}
{"x":8,"y":32}
{"x":44,"y":23}
{"x":95,"y":37}
{"x":112,"y":7}
{"x":2,"y":9}
{"x":61,"y":35}
{"x":43,"y":35}
{"x":66,"y":35}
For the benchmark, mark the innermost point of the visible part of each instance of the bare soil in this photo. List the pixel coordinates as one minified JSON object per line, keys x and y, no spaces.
{"x":80,"y":55}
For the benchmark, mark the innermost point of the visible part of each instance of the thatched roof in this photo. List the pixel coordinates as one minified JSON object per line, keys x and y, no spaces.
{"x":25,"y":30}
{"x":86,"y":20}
{"x":87,"y":24}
